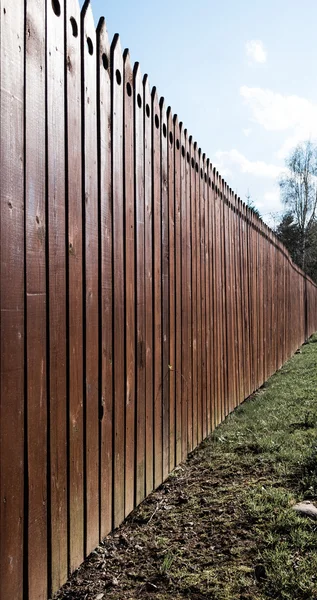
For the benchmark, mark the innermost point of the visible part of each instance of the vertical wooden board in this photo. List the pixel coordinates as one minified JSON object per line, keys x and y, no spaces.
{"x":140,"y":285}
{"x":188,"y":234}
{"x":165,"y":290}
{"x":171,"y":284}
{"x":240,"y":302}
{"x":216,"y":305}
{"x":91,"y":279}
{"x":203,"y":296}
{"x":105,"y":278}
{"x":179,"y":258}
{"x":12,"y":300}
{"x":230,"y":337}
{"x":220,"y":283}
{"x":157,"y":290}
{"x":35,"y":258}
{"x":183,"y":300}
{"x":129,"y":284}
{"x":234,"y":299}
{"x":224,"y":318}
{"x":198,"y":272}
{"x":148,"y":276}
{"x":207,"y":285}
{"x":75,"y":288}
{"x":57,"y":292}
{"x":118,"y":282}
{"x":194,"y":291}
{"x":211,"y":273}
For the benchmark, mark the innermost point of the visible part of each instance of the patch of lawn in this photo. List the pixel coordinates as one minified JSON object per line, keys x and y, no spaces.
{"x":222,"y":526}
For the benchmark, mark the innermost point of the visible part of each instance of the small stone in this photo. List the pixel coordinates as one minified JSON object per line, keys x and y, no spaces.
{"x":99,"y":597}
{"x":306,"y":508}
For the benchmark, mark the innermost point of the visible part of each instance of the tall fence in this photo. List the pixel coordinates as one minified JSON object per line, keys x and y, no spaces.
{"x":141,"y":300}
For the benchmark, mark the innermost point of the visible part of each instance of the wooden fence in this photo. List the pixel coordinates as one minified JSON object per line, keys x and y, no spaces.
{"x":141,"y":300}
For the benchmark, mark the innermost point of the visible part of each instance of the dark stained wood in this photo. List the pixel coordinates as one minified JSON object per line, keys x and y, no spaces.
{"x":198,"y":283}
{"x":129,"y":283}
{"x":188,"y":238}
{"x":36,"y":304}
{"x":57,"y":307}
{"x":118,"y":283}
{"x":140,"y":284}
{"x":204,"y":341}
{"x":105,"y":277}
{"x":75,"y":290}
{"x":208,"y":298}
{"x":140,"y":300}
{"x":157,"y":290}
{"x":171,"y":285}
{"x":91,"y":279}
{"x":194,"y":291}
{"x":178,"y":296}
{"x":12,"y":360}
{"x":148,"y":279}
{"x":165,"y":296}
{"x":183,"y":300}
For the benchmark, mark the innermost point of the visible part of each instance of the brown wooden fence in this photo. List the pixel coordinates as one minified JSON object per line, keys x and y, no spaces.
{"x":141,"y":300}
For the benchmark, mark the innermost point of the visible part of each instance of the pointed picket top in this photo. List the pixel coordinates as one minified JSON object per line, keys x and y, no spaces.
{"x":116,"y":59}
{"x":138,"y":86}
{"x":154,"y":95}
{"x":128,"y":73}
{"x":73,"y":16}
{"x":177,"y":133}
{"x":147,"y":96}
{"x":103,"y":44}
{"x":88,"y":30}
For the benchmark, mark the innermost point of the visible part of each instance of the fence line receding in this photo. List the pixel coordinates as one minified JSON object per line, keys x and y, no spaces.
{"x":141,"y":300}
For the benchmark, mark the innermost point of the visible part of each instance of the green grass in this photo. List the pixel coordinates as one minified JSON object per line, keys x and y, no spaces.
{"x":222,"y":526}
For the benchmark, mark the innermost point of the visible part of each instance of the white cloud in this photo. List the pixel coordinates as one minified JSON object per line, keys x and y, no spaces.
{"x":278,"y":112}
{"x":246,"y":132}
{"x":255,"y":51}
{"x":258,"y":168}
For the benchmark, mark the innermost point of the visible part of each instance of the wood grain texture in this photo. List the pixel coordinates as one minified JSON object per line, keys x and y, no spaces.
{"x":36,"y":301}
{"x":75,"y":288}
{"x":91,"y":277}
{"x":56,"y":173}
{"x":129,"y":284}
{"x":140,"y":284}
{"x":148,"y":280}
{"x":12,"y":309}
{"x":118,"y":282}
{"x":105,"y":278}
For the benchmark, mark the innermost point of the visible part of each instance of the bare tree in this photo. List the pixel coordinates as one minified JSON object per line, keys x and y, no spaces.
{"x":299,"y":192}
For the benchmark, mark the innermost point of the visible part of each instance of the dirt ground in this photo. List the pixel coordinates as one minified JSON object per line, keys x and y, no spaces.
{"x":222,"y":526}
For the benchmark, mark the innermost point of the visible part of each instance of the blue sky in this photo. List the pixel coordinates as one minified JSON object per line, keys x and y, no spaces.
{"x":240,"y":74}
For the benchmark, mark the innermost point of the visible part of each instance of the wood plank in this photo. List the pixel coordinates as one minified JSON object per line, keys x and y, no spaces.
{"x":208,"y":298}
{"x":148,"y":277}
{"x":57,"y":292}
{"x":75,"y":288}
{"x":179,"y":257}
{"x":188,"y":235}
{"x":157,"y":300}
{"x":91,"y":279}
{"x":105,"y":277}
{"x":35,"y":244}
{"x":129,"y":283}
{"x":118,"y":281}
{"x":171,"y":284}
{"x":198,"y":251}
{"x":165,"y":296}
{"x":183,"y":300}
{"x":194,"y":289}
{"x":140,"y":284}
{"x":203,"y":293}
{"x":12,"y":300}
